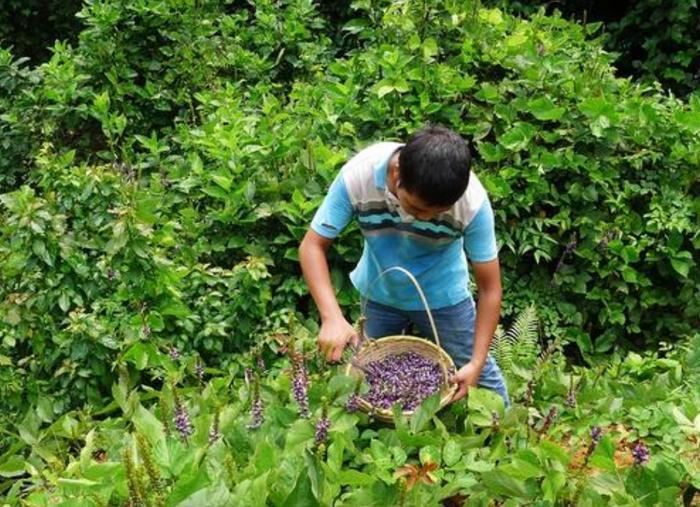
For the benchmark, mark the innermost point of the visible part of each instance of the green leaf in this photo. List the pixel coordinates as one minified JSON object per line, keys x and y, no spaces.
{"x":544,"y":109}
{"x":425,"y":411}
{"x":223,"y":181}
{"x":302,"y":431}
{"x":354,"y":478}
{"x":451,"y":453}
{"x":430,"y":48}
{"x":315,"y":474}
{"x":216,"y":495}
{"x":149,"y":426}
{"x":517,"y":138}
{"x":64,"y":302}
{"x":552,"y":484}
{"x":550,"y":450}
{"x":604,"y":455}
{"x":39,"y":249}
{"x":302,"y":494}
{"x":383,"y":90}
{"x":689,"y":119}
{"x":12,"y":467}
{"x":500,"y":483}
{"x":682,"y":263}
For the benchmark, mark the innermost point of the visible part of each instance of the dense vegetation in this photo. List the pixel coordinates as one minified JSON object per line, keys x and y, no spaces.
{"x":157,"y":174}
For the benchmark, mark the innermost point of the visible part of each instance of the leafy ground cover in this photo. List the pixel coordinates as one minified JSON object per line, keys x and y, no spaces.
{"x":280,"y":428}
{"x":156,"y":178}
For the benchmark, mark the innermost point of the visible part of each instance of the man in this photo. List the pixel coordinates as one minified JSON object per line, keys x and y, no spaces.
{"x":419,"y":207}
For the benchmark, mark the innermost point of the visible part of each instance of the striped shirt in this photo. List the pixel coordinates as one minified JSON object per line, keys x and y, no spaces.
{"x":434,"y":251}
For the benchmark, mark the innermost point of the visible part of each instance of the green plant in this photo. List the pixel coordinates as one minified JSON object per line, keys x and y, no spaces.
{"x":519,"y":346}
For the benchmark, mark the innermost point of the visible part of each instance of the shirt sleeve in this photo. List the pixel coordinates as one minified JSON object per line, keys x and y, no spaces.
{"x":480,"y":235}
{"x":335,"y":211}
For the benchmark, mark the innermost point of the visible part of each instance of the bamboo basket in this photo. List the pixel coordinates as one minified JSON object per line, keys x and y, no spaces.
{"x":377,"y":349}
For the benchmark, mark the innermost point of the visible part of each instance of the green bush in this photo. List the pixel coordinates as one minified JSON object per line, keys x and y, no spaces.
{"x":654,"y":40}
{"x":659,"y":41}
{"x":172,"y":161}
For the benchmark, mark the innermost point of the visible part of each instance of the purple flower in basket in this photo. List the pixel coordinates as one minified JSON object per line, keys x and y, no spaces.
{"x":407,"y":378}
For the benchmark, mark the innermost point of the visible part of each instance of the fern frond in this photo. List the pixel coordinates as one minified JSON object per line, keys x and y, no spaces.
{"x":523,"y":338}
{"x":502,"y":351}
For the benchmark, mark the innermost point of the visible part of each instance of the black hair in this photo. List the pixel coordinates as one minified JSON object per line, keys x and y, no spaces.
{"x":434,"y":165}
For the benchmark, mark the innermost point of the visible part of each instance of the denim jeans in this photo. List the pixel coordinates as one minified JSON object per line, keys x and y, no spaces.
{"x":455,"y":327}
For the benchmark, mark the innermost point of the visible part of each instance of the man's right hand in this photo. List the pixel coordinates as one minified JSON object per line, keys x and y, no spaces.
{"x":334,"y":336}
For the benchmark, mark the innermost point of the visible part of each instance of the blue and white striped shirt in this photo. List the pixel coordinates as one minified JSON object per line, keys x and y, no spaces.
{"x":433,"y":251}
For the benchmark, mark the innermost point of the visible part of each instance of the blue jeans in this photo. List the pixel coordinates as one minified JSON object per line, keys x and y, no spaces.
{"x":455,"y":327}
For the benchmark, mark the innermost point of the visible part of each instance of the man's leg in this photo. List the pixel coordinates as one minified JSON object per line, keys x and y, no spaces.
{"x":384,"y":320}
{"x":455,"y":327}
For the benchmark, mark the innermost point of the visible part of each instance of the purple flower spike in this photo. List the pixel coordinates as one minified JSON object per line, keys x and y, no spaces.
{"x":322,"y":427}
{"x":300,"y":386}
{"x":214,"y":435}
{"x":256,"y":414}
{"x":596,"y":434}
{"x":182,"y":421}
{"x":640,"y":453}
{"x":256,"y":409}
{"x":174,"y":353}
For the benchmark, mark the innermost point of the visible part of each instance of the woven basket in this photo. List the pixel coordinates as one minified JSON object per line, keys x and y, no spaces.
{"x":375,"y":350}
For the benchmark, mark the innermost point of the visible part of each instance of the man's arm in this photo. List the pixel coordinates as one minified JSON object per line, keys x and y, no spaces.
{"x":488,"y":311}
{"x":335,"y":330}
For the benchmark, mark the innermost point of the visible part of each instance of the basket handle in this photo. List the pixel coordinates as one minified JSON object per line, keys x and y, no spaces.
{"x":363,"y":303}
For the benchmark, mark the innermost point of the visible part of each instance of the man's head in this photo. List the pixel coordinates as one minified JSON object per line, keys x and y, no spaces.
{"x":433,"y":172}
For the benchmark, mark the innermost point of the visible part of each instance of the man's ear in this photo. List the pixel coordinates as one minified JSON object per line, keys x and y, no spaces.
{"x":395,"y":174}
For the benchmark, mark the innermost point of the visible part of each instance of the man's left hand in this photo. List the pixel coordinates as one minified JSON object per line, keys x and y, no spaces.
{"x":466,"y":377}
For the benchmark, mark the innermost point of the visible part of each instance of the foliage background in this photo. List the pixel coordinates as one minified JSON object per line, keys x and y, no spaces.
{"x":159,"y":166}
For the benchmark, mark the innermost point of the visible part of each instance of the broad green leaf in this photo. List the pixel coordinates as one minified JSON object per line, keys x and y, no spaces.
{"x":500,"y":483}
{"x":492,"y":16}
{"x":518,"y":137}
{"x":451,"y":453}
{"x":302,"y":494}
{"x":384,"y":90}
{"x":425,"y":411}
{"x":689,"y":119}
{"x":12,"y":467}
{"x":302,"y":431}
{"x":553,"y":482}
{"x":544,"y":109}
{"x":223,"y":181}
{"x":355,"y":478}
{"x":550,"y":450}
{"x":216,"y":495}
{"x":430,"y":48}
{"x":604,"y":455}
{"x":149,"y":426}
